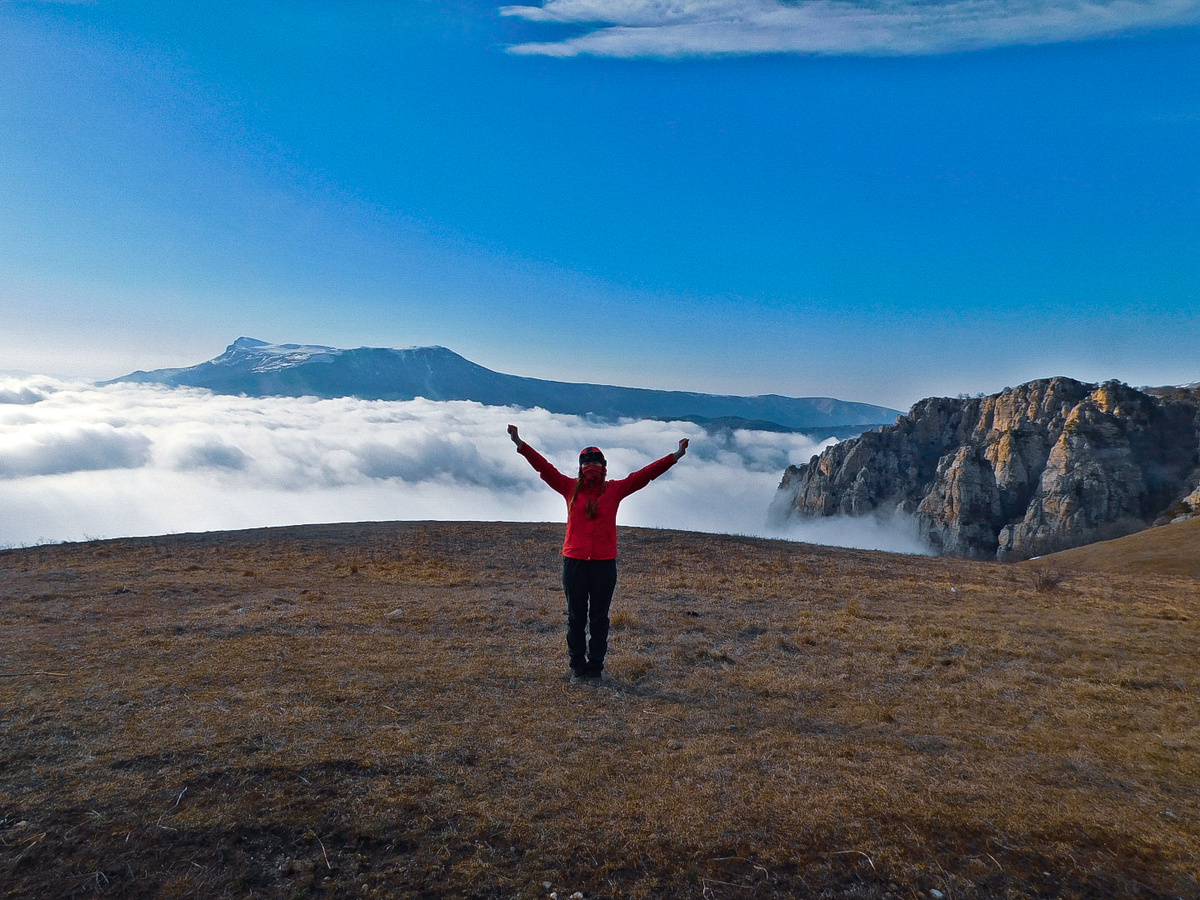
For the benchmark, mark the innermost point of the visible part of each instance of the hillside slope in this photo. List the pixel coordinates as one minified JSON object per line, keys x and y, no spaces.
{"x":1167,"y":550}
{"x":380,"y":711}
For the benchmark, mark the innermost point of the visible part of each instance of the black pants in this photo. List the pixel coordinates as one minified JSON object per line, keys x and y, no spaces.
{"x":589,"y":586}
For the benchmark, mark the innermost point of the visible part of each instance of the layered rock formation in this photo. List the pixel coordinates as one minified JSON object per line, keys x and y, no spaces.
{"x":1048,"y":465}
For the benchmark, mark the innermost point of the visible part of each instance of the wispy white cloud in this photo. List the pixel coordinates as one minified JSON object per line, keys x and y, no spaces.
{"x":80,"y":461}
{"x":677,"y":28}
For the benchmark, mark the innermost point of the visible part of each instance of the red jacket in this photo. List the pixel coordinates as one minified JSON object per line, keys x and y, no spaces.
{"x":593,"y":538}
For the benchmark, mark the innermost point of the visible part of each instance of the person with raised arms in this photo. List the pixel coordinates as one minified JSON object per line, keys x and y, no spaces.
{"x":589,"y":574}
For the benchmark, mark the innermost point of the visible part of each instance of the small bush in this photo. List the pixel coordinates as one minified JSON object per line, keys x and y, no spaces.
{"x":1047,"y":579}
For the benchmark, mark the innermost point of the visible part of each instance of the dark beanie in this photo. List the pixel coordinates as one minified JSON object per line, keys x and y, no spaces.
{"x":590,"y":455}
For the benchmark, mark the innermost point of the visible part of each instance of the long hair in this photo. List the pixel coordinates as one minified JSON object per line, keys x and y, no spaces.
{"x":590,"y":509}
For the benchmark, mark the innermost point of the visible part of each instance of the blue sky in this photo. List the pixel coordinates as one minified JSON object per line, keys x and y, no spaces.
{"x":872,"y":200}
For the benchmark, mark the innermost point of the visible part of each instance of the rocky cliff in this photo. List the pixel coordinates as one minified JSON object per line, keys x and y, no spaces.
{"x":1048,"y":465}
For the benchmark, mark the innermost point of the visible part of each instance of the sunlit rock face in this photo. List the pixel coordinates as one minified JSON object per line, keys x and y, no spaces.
{"x":1051,"y":464}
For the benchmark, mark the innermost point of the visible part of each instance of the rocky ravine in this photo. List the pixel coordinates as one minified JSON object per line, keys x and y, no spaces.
{"x":1048,"y":465}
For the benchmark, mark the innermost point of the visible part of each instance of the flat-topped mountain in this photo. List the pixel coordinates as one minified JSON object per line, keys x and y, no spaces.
{"x":1051,"y":464}
{"x":259,"y":369}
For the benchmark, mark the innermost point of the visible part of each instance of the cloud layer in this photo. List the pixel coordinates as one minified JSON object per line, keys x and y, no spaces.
{"x":676,"y":28}
{"x":79,"y":461}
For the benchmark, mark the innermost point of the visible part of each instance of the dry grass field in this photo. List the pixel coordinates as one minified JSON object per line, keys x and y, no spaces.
{"x":1166,"y":550}
{"x":381,"y":711}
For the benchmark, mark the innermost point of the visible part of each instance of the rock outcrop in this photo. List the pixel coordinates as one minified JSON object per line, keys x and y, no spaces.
{"x":1051,"y":464}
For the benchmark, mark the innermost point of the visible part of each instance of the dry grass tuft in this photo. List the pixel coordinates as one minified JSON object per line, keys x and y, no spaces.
{"x":381,"y":711}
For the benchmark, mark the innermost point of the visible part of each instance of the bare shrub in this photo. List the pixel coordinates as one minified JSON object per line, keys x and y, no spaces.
{"x":1047,"y":579}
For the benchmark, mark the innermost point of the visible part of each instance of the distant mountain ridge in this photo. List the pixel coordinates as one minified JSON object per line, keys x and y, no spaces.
{"x":260,"y":369}
{"x":1049,"y":465}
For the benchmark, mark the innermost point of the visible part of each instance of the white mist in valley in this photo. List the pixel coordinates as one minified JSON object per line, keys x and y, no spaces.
{"x":79,"y":461}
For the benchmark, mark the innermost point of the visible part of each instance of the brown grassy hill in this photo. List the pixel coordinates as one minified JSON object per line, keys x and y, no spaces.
{"x":1166,"y":550}
{"x":380,"y":711}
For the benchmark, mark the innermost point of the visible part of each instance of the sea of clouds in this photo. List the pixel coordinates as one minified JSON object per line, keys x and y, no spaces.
{"x":79,"y":461}
{"x":632,"y":28}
